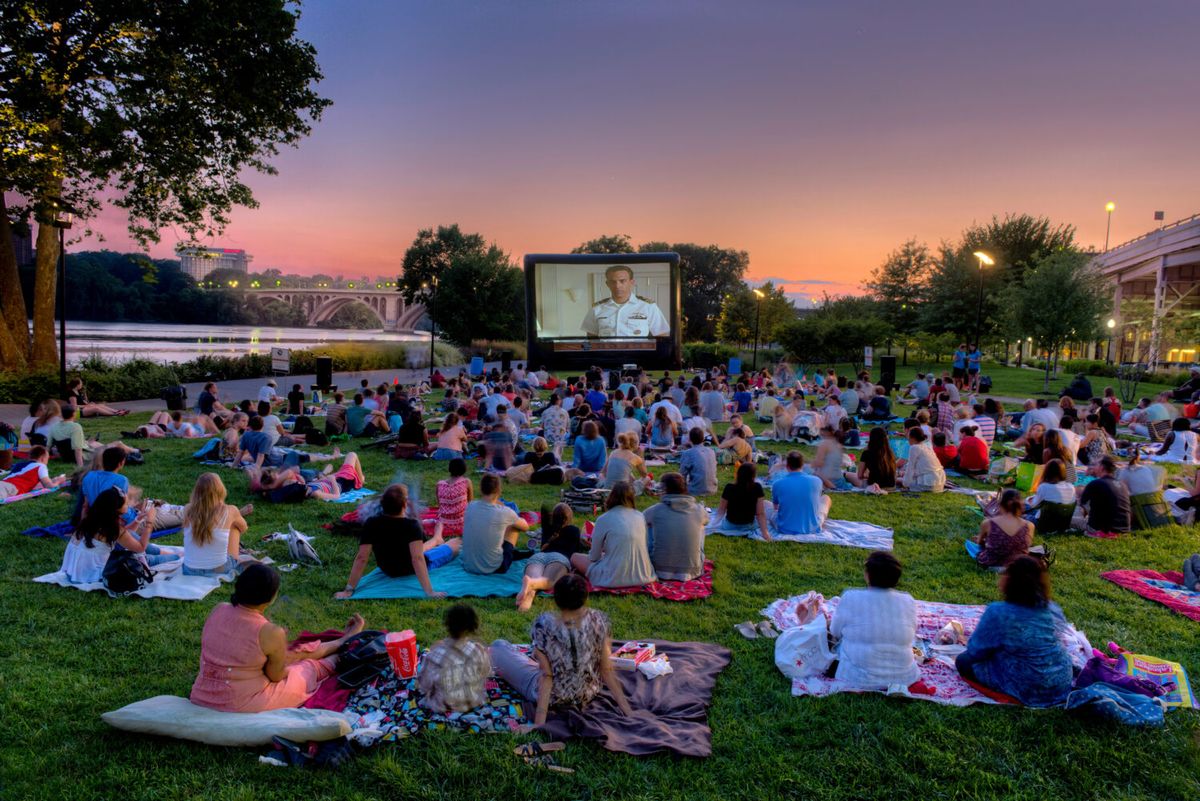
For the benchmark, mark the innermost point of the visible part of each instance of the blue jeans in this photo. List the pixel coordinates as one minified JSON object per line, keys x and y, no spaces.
{"x":446,"y":454}
{"x":232,"y":567}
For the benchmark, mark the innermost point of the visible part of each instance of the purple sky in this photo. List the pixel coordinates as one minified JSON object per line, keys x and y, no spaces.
{"x":816,"y":135}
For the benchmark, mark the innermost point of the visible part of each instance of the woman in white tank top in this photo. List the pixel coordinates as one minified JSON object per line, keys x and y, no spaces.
{"x":1179,"y":446}
{"x":212,"y":530}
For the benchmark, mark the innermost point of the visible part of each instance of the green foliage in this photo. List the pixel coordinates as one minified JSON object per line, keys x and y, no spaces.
{"x":606,"y":243}
{"x":708,"y":273}
{"x":707,"y":354}
{"x":900,"y":283}
{"x":935,"y":347}
{"x":822,"y":339}
{"x":743,"y":310}
{"x":353,"y":315}
{"x":490,"y":349}
{"x":1059,"y":301}
{"x":470,"y":288}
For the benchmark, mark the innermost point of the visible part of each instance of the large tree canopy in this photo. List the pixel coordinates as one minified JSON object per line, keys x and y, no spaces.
{"x":159,"y":107}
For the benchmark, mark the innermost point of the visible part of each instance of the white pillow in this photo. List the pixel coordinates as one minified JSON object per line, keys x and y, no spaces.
{"x":172,"y":716}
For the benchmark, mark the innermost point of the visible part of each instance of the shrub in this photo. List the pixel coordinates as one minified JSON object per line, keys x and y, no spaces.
{"x":490,"y":349}
{"x":707,"y":354}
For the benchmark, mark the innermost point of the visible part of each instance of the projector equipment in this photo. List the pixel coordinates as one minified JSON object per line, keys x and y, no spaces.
{"x":887,"y":372}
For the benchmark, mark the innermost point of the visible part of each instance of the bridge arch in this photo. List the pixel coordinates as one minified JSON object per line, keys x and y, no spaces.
{"x":321,"y":304}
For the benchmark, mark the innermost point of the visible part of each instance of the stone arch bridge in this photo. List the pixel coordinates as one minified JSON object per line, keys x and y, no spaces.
{"x":321,"y":304}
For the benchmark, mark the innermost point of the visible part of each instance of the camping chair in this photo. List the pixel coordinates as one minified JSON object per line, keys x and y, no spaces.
{"x":1158,"y":430}
{"x":65,"y":452}
{"x":1054,"y":518}
{"x":1150,"y":510}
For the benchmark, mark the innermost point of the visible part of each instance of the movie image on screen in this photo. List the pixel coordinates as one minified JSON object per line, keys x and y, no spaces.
{"x":605,"y":301}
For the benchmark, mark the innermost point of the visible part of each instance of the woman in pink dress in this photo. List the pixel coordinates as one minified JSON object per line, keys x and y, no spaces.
{"x":453,"y":495}
{"x":245,"y":664}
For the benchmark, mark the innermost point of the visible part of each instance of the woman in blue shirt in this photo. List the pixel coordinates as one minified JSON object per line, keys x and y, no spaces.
{"x":1015,"y":649}
{"x":590,"y":453}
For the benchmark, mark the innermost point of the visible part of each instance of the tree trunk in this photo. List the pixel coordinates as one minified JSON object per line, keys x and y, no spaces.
{"x":14,"y":324}
{"x":45,"y":351}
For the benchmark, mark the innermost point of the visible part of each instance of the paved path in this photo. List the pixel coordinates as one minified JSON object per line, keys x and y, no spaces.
{"x":234,"y":391}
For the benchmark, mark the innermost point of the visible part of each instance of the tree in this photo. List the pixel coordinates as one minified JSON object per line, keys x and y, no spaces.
{"x":818,"y":339}
{"x":606,"y":243}
{"x":738,"y":315}
{"x":481,"y":296}
{"x":1018,"y":242}
{"x":430,"y":256}
{"x":157,"y":107}
{"x":900,"y":284}
{"x":708,"y":273}
{"x":1061,"y":300}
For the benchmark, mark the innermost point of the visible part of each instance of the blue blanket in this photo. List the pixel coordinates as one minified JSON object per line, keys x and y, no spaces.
{"x":353,"y":496}
{"x":64,"y":530}
{"x":451,"y":579}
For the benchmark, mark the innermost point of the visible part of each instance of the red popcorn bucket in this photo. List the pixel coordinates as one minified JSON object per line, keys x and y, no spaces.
{"x":402,"y":651}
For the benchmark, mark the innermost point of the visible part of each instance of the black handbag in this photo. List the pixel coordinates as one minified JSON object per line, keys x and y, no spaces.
{"x":124,"y":573}
{"x":361,"y":658}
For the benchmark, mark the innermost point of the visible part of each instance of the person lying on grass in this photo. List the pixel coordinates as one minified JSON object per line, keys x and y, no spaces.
{"x":101,"y":530}
{"x":293,"y":485}
{"x":399,"y":545}
{"x":77,"y":397}
{"x":245,"y":663}
{"x":1015,"y":648}
{"x":561,"y":540}
{"x":571,"y":651}
{"x":256,"y":449}
{"x":33,"y":475}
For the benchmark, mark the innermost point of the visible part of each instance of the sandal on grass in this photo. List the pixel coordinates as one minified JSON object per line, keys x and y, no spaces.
{"x":765,"y":629}
{"x":546,"y":761}
{"x":537,"y":749}
{"x":747,"y":630}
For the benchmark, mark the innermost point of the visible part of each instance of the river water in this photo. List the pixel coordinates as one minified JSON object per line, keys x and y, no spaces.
{"x":178,"y":343}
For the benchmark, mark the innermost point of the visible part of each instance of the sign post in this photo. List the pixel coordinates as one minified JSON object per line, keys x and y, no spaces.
{"x":281,"y":360}
{"x":868,"y":356}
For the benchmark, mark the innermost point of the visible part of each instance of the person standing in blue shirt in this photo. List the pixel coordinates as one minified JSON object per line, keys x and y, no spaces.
{"x":960,"y":365}
{"x":974,"y":359}
{"x":800,"y":508}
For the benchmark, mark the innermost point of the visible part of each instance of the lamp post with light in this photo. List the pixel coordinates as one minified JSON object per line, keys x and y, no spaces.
{"x":1111,"y":324}
{"x":60,"y":214}
{"x":988,"y":260}
{"x":757,"y":315}
{"x":432,"y":325}
{"x":1108,"y":207}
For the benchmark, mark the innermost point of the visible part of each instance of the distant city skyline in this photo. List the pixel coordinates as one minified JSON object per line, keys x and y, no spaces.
{"x":818,"y":137}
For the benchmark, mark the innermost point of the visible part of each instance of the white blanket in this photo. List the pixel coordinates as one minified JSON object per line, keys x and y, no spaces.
{"x":850,"y":533}
{"x":169,"y":581}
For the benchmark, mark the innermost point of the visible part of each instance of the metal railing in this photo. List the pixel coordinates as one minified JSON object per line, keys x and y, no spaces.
{"x":1155,"y":232}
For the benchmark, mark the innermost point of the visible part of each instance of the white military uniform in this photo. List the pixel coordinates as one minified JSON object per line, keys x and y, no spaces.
{"x":634,"y":318}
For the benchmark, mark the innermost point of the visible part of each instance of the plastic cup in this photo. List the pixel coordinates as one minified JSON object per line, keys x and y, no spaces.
{"x":402,"y":652}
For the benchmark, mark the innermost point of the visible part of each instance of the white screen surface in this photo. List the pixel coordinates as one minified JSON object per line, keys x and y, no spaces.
{"x":578,"y":300}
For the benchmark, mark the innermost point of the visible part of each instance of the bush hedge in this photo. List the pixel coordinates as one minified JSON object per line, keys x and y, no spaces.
{"x":1102,"y":368}
{"x":137,"y":378}
{"x":707,"y":354}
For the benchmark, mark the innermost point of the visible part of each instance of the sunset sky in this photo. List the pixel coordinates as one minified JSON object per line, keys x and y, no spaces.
{"x":815,"y":135}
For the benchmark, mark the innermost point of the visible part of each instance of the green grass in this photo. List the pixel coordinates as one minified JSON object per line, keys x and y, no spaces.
{"x":67,"y":656}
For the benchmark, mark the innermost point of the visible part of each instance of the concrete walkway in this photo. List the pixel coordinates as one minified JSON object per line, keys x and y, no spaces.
{"x":231,"y":392}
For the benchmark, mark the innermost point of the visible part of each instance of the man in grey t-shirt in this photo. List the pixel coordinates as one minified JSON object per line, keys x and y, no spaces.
{"x":675,"y":532}
{"x":490,"y":531}
{"x":698,"y":464}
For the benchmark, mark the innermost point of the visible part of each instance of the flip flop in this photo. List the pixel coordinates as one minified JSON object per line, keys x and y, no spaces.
{"x":747,"y":630}
{"x":765,"y":629}
{"x":537,"y":749}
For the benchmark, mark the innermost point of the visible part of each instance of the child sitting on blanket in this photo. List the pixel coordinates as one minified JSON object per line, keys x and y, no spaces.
{"x":875,"y":628}
{"x":399,"y":545}
{"x":1015,"y":648}
{"x":454,"y":671}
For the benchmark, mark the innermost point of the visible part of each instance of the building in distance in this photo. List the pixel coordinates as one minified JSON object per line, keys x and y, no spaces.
{"x":199,"y":262}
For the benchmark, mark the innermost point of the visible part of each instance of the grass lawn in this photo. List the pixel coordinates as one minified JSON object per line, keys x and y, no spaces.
{"x":67,"y":656}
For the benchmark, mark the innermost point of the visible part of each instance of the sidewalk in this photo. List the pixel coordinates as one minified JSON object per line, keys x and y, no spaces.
{"x":231,"y":392}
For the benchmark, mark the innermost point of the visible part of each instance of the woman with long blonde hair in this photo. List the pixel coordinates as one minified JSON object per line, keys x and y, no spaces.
{"x":212,"y":530}
{"x":49,"y":415}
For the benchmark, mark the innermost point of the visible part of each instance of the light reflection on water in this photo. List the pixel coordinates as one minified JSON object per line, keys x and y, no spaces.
{"x":177,"y":343}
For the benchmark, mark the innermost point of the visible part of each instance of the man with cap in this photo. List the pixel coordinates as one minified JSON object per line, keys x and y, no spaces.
{"x":624,"y":314}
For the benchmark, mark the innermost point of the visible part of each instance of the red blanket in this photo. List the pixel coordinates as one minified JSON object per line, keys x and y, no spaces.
{"x":700,"y":587}
{"x":1164,"y":588}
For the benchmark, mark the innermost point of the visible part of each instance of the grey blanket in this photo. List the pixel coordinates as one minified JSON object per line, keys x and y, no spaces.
{"x":670,"y":713}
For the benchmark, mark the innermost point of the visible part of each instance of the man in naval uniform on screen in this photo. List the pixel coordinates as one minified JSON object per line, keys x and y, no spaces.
{"x":624,"y":314}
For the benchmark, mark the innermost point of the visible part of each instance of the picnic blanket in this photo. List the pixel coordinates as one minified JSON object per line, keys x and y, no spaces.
{"x":699,"y":587}
{"x":353,"y":496}
{"x":451,"y":579}
{"x":169,"y":582}
{"x":938,"y":669}
{"x":850,"y":533}
{"x":64,"y":530}
{"x":1164,"y":588}
{"x":670,"y":713}
{"x":31,"y":494}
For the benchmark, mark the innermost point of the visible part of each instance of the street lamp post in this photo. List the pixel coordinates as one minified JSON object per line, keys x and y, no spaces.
{"x":757,"y":315}
{"x":432,"y":324}
{"x":1108,"y":207}
{"x":988,"y":260}
{"x":1112,"y":324}
{"x":62,"y":215}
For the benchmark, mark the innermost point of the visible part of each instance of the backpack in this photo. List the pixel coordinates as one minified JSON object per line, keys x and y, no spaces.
{"x":361,"y":658}
{"x":125,"y":573}
{"x":315,"y":437}
{"x":302,"y":425}
{"x":8,"y":437}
